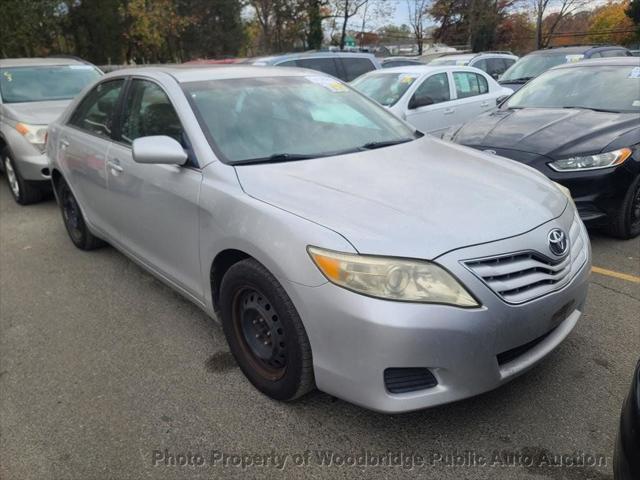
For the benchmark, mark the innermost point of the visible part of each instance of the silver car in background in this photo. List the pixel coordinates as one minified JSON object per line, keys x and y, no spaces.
{"x":33,"y":92}
{"x":339,"y":248}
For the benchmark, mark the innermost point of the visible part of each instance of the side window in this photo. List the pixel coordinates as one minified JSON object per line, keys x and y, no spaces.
{"x":288,"y":63}
{"x":96,"y":111}
{"x":595,"y":55}
{"x":482,"y":65}
{"x":147,"y":112}
{"x":508,"y":62}
{"x":326,"y":65}
{"x":496,"y":67}
{"x":354,"y":67}
{"x":616,"y":52}
{"x":434,"y":89}
{"x":469,"y":84}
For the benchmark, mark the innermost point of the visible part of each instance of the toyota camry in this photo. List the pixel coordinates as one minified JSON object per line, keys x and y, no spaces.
{"x":339,"y":248}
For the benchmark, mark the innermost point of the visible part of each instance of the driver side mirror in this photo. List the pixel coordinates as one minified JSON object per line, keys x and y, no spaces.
{"x":159,"y":149}
{"x":417,"y":102}
{"x":500,"y":100}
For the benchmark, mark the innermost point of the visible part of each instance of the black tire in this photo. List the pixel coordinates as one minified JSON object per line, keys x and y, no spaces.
{"x":23,"y":191}
{"x":73,"y":219}
{"x":625,"y":221}
{"x":278,"y":361}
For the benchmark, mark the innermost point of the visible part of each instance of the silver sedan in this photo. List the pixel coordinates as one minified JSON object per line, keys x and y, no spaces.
{"x":339,"y":248}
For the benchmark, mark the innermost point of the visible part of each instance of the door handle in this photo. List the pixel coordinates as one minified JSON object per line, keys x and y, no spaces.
{"x":114,"y":163}
{"x":448,"y":111}
{"x":484,"y":104}
{"x":64,"y":143}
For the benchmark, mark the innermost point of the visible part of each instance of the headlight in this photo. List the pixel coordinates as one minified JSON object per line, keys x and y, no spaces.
{"x":35,"y":134}
{"x":392,"y":278}
{"x":591,"y":162}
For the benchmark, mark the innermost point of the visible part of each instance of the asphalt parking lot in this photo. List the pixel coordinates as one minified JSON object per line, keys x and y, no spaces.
{"x":105,"y":372}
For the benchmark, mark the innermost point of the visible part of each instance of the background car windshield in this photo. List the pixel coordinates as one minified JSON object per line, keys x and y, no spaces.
{"x":385,"y":88}
{"x":533,"y":65}
{"x":41,"y":84}
{"x":255,"y":118}
{"x":586,"y":87}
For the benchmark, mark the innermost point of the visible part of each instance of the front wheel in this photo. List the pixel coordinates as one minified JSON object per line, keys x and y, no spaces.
{"x":265,"y":333}
{"x":625,"y":222}
{"x":23,"y":191}
{"x":74,"y":221}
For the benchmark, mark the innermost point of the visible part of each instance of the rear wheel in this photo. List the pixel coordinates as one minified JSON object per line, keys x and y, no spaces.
{"x":73,"y":219}
{"x":265,"y":333}
{"x":23,"y":191}
{"x":625,"y":222}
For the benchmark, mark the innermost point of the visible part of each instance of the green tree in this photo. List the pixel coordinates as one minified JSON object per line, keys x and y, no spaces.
{"x":314,"y":33}
{"x":215,"y":28}
{"x":96,"y":30}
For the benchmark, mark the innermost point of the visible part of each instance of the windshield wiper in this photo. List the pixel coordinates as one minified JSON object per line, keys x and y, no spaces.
{"x":516,"y":80}
{"x":387,"y":143}
{"x":578,"y":107}
{"x":277,"y":157}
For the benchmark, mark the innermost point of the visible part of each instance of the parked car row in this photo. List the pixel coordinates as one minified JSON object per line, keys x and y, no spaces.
{"x":323,"y":228}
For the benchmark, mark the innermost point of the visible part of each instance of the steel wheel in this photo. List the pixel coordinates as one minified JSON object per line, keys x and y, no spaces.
{"x":11,"y":177}
{"x":263,"y":340}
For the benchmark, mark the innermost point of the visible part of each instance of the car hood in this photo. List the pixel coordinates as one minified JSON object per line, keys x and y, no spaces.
{"x":419,"y":199}
{"x":553,"y":132}
{"x":36,"y":113}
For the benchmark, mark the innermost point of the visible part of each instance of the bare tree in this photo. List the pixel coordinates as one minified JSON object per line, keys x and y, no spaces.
{"x":418,"y":13}
{"x":562,"y":8}
{"x":346,"y":9}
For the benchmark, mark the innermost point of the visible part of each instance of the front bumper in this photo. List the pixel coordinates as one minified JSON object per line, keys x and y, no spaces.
{"x":354,"y":338}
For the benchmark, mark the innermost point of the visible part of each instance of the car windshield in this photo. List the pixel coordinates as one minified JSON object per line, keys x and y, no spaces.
{"x":586,"y":87}
{"x":44,"y":83}
{"x":288,"y":118}
{"x":533,"y":65}
{"x":385,"y":88}
{"x":450,"y":61}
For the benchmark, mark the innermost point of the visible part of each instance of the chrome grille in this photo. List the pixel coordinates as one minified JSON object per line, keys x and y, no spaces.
{"x":523,"y":276}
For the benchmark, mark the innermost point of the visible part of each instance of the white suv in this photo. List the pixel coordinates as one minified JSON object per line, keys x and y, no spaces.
{"x":494,"y":63}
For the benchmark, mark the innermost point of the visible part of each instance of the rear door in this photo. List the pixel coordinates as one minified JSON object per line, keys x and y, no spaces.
{"x":472,"y":96}
{"x":322,"y":64}
{"x":437,"y":117}
{"x":83,"y":145}
{"x":355,"y":66}
{"x":157,"y":204}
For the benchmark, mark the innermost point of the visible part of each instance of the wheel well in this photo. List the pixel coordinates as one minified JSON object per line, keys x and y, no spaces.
{"x":221,"y":264}
{"x":55,"y":177}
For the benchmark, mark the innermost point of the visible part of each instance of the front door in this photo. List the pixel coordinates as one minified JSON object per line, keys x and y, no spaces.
{"x":157,"y":205}
{"x":436,"y":117}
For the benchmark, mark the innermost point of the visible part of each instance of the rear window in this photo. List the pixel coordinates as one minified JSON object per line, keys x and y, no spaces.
{"x":354,"y":67}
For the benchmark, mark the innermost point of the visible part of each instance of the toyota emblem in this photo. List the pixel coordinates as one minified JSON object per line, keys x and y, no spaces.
{"x":558,"y":242}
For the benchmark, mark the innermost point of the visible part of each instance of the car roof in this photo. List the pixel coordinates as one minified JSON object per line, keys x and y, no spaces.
{"x":575,"y":49}
{"x":197,"y":73}
{"x":424,"y":69}
{"x":36,"y":62}
{"x":602,"y":62}
{"x":311,"y":54}
{"x":461,"y":56}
